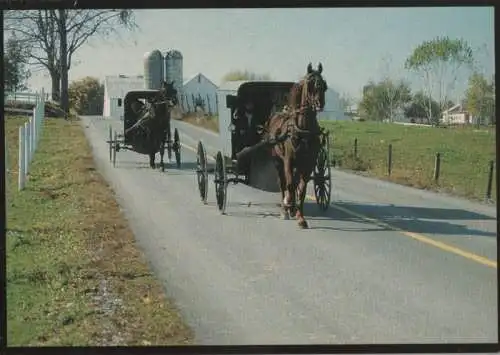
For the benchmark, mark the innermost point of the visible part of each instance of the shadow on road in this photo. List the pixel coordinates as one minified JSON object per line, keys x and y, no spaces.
{"x":187,"y":168}
{"x":412,"y":219}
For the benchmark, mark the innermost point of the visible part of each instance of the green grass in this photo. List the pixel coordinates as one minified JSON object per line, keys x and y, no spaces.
{"x":465,"y":154}
{"x":66,"y":237}
{"x":209,"y":122}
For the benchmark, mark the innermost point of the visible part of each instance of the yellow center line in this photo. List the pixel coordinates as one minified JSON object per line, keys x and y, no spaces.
{"x":416,"y":236}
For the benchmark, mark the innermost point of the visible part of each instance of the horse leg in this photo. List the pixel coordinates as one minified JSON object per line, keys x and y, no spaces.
{"x":152,"y":160}
{"x":281,"y":180}
{"x":301,"y":192}
{"x":162,"y":153}
{"x":289,"y":185}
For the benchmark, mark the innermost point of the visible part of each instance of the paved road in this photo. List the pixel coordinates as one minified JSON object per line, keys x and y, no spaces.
{"x":386,"y":264}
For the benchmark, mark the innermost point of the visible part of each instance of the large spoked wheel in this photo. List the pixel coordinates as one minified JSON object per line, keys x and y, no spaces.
{"x":220,"y":180}
{"x":115,"y":147}
{"x":110,"y":144}
{"x":177,"y":148}
{"x":201,"y":172}
{"x":322,"y":176}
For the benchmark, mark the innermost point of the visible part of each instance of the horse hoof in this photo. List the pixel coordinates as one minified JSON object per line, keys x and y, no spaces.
{"x":303,"y":224}
{"x":284,"y":216}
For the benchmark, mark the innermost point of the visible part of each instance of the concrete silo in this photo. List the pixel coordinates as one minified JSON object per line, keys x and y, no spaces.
{"x":173,"y":69}
{"x":153,"y":70}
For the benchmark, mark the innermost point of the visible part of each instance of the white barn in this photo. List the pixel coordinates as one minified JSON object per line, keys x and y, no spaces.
{"x":115,"y":89}
{"x":201,"y":88}
{"x":333,"y":109}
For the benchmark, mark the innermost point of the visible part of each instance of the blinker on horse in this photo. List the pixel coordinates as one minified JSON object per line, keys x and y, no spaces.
{"x":298,"y":135}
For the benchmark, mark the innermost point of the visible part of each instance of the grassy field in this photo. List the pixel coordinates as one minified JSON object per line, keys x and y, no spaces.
{"x":74,"y":273}
{"x":210,"y":122}
{"x":465,"y":154}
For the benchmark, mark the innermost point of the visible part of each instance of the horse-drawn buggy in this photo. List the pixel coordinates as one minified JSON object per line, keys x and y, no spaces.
{"x":146,"y":126}
{"x":271,"y":140}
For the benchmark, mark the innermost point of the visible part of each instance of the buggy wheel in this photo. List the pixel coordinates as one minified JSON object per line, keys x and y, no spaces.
{"x":322,"y":177}
{"x":110,"y":143}
{"x":115,"y":147}
{"x":177,"y":148}
{"x":220,"y":180}
{"x":201,"y":172}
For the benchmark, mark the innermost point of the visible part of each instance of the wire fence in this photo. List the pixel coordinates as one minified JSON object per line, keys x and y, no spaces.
{"x":192,"y":103}
{"x":29,"y":136}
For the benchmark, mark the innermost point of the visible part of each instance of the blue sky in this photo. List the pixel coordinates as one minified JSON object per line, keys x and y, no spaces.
{"x":351,"y":43}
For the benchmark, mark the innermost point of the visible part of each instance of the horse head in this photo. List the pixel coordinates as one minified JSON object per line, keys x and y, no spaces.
{"x":314,"y":88}
{"x":170,"y":93}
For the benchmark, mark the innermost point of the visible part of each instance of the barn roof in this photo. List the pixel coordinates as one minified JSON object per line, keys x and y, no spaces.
{"x":118,"y":86}
{"x":194,"y":77}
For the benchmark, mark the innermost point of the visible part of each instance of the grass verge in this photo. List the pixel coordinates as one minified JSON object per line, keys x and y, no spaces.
{"x":74,"y":273}
{"x":208,"y":122}
{"x":465,"y":154}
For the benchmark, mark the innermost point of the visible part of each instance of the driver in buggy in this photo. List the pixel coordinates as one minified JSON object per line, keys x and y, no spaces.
{"x":246,"y":124}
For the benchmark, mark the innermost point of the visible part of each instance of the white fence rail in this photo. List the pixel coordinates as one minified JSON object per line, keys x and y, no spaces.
{"x":29,"y":136}
{"x":28,"y":97}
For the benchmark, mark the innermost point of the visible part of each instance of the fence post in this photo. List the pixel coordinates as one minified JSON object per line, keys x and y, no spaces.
{"x":187,"y":104}
{"x":490,"y":179}
{"x":208,"y":104}
{"x":389,"y":160}
{"x":33,"y":135}
{"x":437,"y":167}
{"x":27,"y":148}
{"x":7,"y":168}
{"x":22,"y":156}
{"x":355,"y":148}
{"x":34,"y":132}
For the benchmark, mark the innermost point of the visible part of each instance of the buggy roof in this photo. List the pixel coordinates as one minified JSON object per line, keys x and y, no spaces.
{"x":242,"y":85}
{"x":143,"y":93}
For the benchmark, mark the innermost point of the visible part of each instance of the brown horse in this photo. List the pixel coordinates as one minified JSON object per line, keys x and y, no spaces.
{"x":298,"y":134}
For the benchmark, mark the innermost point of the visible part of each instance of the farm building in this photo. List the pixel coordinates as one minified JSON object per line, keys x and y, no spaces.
{"x":333,"y":109}
{"x":115,"y":89}
{"x":455,"y":115}
{"x":199,"y":91}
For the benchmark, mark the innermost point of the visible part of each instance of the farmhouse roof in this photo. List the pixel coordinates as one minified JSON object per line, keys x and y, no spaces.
{"x":118,"y":86}
{"x":453,"y":108}
{"x":195,"y":76}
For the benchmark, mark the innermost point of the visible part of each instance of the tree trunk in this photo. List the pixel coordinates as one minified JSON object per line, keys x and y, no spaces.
{"x":56,"y":85}
{"x":64,"y":62}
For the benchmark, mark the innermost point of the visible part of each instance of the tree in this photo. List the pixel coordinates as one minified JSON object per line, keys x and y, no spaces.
{"x":237,"y":75}
{"x":54,"y":36}
{"x":397,"y":95}
{"x":418,"y":108}
{"x":438,"y":62}
{"x":480,"y":98}
{"x":86,"y":96}
{"x":381,"y":100}
{"x":14,"y":65}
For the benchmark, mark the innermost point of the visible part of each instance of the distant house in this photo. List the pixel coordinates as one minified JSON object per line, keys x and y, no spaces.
{"x":455,"y":115}
{"x":199,"y":91}
{"x":115,"y":89}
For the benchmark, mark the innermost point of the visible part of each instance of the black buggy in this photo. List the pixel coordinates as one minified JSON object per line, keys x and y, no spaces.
{"x":242,"y":154}
{"x":146,"y":128}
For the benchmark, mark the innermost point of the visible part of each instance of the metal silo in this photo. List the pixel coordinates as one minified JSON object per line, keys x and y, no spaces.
{"x":153,"y":69}
{"x":173,"y":69}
